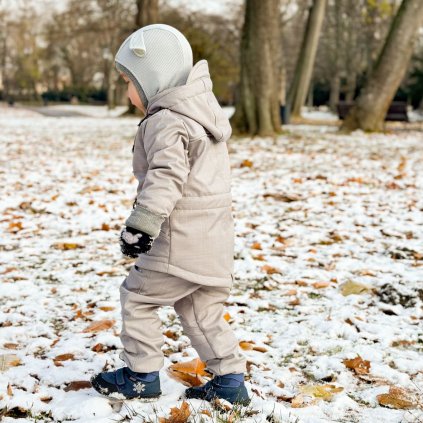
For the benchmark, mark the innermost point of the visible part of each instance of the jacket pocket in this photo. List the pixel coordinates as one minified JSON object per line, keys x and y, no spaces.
{"x":135,"y":280}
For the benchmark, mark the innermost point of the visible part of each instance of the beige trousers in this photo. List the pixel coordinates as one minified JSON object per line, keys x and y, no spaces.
{"x":200,"y":309}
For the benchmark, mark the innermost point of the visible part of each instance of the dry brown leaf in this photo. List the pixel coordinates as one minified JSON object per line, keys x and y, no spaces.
{"x":397,"y":398}
{"x":107,"y":308}
{"x":46,"y":399}
{"x":250,"y":345}
{"x":246,"y":163}
{"x":99,"y":326}
{"x":270,"y":270}
{"x":177,"y":415}
{"x":171,"y":334}
{"x":189,"y":373}
{"x":67,"y":245}
{"x":105,"y":227}
{"x":360,"y":366}
{"x":15,"y":226}
{"x":9,"y":390}
{"x":296,"y":301}
{"x":290,"y":292}
{"x":8,"y":360}
{"x":62,"y":357}
{"x":256,"y":246}
{"x":319,"y":285}
{"x":10,"y":346}
{"x":77,"y":385}
{"x":298,"y":401}
{"x":206,"y":412}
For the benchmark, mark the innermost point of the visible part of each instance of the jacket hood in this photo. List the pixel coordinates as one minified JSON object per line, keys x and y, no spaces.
{"x":195,"y":99}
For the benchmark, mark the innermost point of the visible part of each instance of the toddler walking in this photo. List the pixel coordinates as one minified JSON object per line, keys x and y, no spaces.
{"x":181,"y":228}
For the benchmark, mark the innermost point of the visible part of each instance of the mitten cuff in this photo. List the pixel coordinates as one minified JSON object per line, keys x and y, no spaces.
{"x":146,"y":221}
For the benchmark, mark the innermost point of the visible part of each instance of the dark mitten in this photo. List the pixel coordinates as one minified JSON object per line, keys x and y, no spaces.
{"x":134,"y":242}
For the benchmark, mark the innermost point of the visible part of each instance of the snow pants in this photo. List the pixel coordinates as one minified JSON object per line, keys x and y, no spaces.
{"x":200,"y":309}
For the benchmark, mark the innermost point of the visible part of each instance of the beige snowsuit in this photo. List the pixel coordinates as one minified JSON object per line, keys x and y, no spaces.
{"x":183,"y":201}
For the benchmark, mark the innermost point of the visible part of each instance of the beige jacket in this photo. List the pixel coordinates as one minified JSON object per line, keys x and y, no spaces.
{"x":184,"y":201}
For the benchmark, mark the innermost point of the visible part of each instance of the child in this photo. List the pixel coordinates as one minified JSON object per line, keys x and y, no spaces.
{"x":181,"y":228}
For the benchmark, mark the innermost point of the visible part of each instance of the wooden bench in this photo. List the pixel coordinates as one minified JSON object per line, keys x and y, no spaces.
{"x":397,"y":110}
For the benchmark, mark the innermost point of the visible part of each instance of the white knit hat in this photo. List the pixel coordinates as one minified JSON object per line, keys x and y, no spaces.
{"x":154,"y":58}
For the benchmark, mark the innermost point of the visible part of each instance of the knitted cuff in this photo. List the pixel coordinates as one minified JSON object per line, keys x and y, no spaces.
{"x":146,"y":221}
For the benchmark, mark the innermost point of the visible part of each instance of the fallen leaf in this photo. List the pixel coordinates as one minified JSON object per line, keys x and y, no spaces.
{"x":171,"y":334}
{"x":250,"y":345}
{"x":256,"y":246}
{"x":270,"y":270}
{"x":77,"y":385}
{"x":8,"y":360}
{"x":206,"y":412}
{"x":67,"y":245}
{"x":227,"y":316}
{"x":178,"y":415}
{"x":10,"y":346}
{"x":99,"y":326}
{"x":107,"y":308}
{"x":353,"y":288}
{"x":9,"y":390}
{"x":357,"y":364}
{"x":189,"y":373}
{"x":319,"y":285}
{"x":287,"y":198}
{"x":296,"y":301}
{"x":246,"y":163}
{"x":62,"y":357}
{"x":397,"y":398}
{"x":324,"y":392}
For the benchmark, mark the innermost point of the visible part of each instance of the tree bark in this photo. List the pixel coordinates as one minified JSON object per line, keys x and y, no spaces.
{"x":373,"y":102}
{"x":258,"y":108}
{"x":147,"y":14}
{"x":305,"y":64}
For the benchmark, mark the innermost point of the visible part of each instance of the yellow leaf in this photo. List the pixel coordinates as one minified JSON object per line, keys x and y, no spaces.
{"x":353,"y":288}
{"x":324,"y":392}
{"x":227,"y":316}
{"x":250,"y":345}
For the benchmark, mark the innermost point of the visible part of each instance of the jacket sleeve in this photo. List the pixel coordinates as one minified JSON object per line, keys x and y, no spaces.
{"x":166,"y":143}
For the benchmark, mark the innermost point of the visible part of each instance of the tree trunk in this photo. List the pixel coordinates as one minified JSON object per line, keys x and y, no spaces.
{"x":335,"y":89}
{"x":305,"y":64}
{"x":258,"y":108}
{"x":373,"y":102}
{"x":147,"y":14}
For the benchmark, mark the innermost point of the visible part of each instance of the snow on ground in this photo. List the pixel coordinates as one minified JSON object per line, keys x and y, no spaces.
{"x":317,"y":214}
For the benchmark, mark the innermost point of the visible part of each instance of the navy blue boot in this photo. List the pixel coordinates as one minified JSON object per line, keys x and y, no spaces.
{"x":229,"y":387}
{"x":126,"y":384}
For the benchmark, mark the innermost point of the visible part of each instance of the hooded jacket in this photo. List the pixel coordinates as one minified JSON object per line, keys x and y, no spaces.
{"x":181,"y":162}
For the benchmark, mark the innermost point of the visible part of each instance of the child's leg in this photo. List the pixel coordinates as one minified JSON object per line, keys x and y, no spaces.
{"x":201,"y":314}
{"x":142,"y":293}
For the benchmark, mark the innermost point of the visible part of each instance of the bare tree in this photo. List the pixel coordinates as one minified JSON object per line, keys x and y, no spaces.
{"x":301,"y":83}
{"x":373,"y":102}
{"x":257,"y":109}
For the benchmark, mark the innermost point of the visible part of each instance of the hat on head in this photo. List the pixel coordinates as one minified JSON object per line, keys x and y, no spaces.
{"x":154,"y":58}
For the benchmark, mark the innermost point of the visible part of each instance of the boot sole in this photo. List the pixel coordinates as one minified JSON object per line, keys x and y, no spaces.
{"x":118,"y":397}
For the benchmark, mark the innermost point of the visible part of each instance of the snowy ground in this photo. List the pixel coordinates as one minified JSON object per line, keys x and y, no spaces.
{"x":318,"y":215}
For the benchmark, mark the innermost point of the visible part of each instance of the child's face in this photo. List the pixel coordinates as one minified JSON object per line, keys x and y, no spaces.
{"x":133,"y":94}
